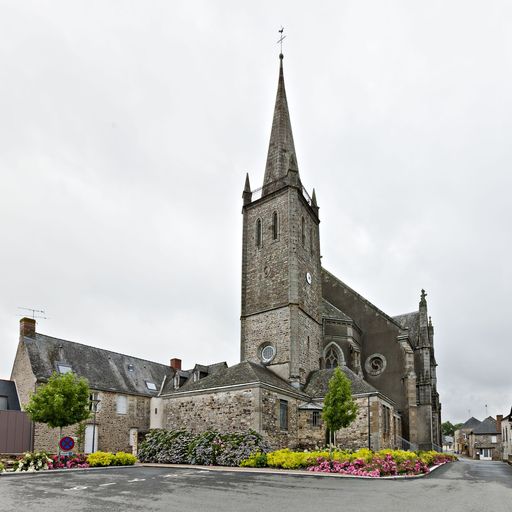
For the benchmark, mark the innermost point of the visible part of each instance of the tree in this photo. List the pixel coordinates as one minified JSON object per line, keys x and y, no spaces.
{"x":339,"y":409}
{"x":448,"y":429}
{"x":62,"y":401}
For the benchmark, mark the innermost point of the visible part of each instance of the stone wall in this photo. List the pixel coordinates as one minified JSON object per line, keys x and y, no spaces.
{"x":355,"y":436}
{"x":270,"y":420}
{"x":225,"y":411}
{"x":22,"y":374}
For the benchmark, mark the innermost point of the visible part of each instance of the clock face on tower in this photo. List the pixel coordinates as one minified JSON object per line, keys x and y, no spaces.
{"x":308,"y":278}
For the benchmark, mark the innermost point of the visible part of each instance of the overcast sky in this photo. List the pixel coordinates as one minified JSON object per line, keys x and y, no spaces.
{"x":126,"y":129}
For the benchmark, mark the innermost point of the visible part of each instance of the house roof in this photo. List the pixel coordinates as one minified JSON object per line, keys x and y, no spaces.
{"x":245,"y":372}
{"x":105,"y":370}
{"x":8,"y":389}
{"x":209,"y":369}
{"x":318,"y":383}
{"x":470,"y":424}
{"x":488,"y":426}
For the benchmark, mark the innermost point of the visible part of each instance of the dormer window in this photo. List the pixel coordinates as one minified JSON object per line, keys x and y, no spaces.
{"x":64,"y":368}
{"x":131,"y":368}
{"x":151,"y":386}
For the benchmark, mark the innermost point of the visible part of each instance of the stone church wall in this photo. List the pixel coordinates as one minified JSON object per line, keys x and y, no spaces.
{"x":355,"y":436}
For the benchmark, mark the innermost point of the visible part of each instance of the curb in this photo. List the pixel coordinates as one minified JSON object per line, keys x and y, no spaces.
{"x":226,"y":469}
{"x":290,"y":472}
{"x":52,"y":471}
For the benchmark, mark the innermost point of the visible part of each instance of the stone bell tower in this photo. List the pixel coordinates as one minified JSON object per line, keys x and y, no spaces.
{"x":281,"y":324}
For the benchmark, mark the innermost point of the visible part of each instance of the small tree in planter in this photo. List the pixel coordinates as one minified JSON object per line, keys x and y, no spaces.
{"x":62,"y":401}
{"x":339,"y":409}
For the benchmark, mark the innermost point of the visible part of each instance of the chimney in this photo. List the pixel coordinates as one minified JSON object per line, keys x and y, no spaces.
{"x":499,"y":419}
{"x":176,"y":363}
{"x":27,"y":327}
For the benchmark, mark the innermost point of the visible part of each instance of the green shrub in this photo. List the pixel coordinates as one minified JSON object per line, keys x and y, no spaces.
{"x":255,"y":460}
{"x":208,"y":448}
{"x":124,"y":459}
{"x":101,"y":459}
{"x":2,"y":467}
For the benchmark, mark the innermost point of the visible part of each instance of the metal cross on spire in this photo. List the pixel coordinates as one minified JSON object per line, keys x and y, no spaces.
{"x":280,"y":42}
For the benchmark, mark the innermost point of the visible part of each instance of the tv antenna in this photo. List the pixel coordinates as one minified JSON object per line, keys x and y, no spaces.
{"x":36,"y":313}
{"x":281,"y":39}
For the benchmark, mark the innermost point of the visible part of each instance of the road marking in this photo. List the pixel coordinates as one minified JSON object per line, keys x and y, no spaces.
{"x":137,"y":480}
{"x":111,"y":483}
{"x":168,"y":476}
{"x":77,"y":488}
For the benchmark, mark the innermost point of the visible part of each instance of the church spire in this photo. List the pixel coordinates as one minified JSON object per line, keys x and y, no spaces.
{"x":281,"y":150}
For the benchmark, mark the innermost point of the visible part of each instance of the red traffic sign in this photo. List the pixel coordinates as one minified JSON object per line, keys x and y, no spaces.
{"x":67,"y":443}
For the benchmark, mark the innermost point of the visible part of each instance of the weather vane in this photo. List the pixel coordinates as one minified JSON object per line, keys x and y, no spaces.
{"x":280,"y":42}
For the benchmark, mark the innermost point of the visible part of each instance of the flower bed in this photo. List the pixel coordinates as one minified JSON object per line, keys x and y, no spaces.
{"x":40,"y":461}
{"x":363,"y":462}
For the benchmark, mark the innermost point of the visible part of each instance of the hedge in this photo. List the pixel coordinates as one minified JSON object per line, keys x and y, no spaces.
{"x":208,"y":448}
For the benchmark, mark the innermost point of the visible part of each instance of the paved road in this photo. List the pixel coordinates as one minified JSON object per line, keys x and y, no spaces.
{"x":468,"y":486}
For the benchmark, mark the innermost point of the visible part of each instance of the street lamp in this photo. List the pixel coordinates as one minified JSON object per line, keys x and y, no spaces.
{"x":94,"y":408}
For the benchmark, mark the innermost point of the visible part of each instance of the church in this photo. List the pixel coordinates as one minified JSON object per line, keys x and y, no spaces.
{"x":299,"y":322}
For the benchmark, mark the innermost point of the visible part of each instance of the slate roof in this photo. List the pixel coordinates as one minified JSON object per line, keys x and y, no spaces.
{"x":470,"y":424}
{"x":411,"y":322}
{"x":105,"y":370}
{"x":318,"y":383}
{"x":8,"y":389}
{"x":331,"y":311}
{"x":245,"y":372}
{"x":488,"y":426}
{"x":210,"y":369}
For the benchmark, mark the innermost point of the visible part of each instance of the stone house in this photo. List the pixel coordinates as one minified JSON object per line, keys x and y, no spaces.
{"x":484,"y":440}
{"x":506,"y":437}
{"x":123,"y":384}
{"x":462,"y":435}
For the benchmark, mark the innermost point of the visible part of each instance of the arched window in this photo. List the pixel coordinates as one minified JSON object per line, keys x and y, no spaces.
{"x":258,"y":233}
{"x":331,"y":358}
{"x":311,"y":240}
{"x":303,"y":232}
{"x":275,"y":227}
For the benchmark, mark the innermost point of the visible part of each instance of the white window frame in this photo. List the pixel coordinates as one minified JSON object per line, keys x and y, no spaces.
{"x":122,"y":404}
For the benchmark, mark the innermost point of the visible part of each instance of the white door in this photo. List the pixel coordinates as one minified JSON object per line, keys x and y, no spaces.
{"x":88,"y":448}
{"x":486,"y":454}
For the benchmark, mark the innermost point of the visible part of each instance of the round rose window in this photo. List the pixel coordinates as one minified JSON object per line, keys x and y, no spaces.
{"x":375,"y":364}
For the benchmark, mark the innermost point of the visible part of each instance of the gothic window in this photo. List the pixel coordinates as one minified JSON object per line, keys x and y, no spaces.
{"x":283,"y":414}
{"x":258,"y":233}
{"x":331,"y":358}
{"x":311,"y":240}
{"x":303,"y":232}
{"x":275,"y":227}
